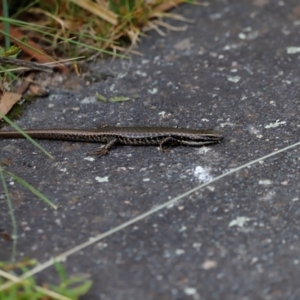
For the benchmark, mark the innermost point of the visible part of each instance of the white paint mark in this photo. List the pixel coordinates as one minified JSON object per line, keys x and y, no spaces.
{"x":242,"y":36}
{"x":276,"y":124}
{"x":197,"y":246}
{"x":101,"y":245}
{"x":183,"y":228}
{"x":216,"y":16}
{"x":227,"y":124}
{"x":153,"y":91}
{"x":249,"y":36}
{"x":265,"y":182}
{"x":239,"y":221}
{"x":292,"y":50}
{"x":58,"y":222}
{"x":209,"y":264}
{"x":234,"y":79}
{"x":101,"y":179}
{"x":89,"y":158}
{"x":202,"y":174}
{"x":88,"y":100}
{"x":179,"y":251}
{"x":211,"y":188}
{"x":204,"y":150}
{"x":190,"y":291}
{"x":142,"y":74}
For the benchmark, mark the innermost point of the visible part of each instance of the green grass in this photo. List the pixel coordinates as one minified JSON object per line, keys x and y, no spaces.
{"x":74,"y":27}
{"x":28,"y":289}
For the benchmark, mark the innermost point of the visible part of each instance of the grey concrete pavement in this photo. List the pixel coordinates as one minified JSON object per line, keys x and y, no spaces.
{"x":235,"y":69}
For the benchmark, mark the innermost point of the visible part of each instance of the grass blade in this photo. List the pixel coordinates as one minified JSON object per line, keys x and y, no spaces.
{"x":31,"y":188}
{"x":12,"y":216}
{"x":16,"y":127}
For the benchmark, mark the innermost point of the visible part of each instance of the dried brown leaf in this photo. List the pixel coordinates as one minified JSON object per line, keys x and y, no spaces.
{"x":7,"y":101}
{"x":41,"y":58}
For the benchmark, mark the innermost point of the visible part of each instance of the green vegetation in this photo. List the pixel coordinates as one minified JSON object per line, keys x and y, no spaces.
{"x":68,"y":288}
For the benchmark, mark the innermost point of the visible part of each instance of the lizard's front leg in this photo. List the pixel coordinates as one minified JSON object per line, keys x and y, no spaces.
{"x":105,"y":150}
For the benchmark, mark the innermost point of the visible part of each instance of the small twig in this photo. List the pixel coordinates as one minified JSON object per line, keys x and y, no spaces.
{"x":25,"y":84}
{"x":26,"y":64}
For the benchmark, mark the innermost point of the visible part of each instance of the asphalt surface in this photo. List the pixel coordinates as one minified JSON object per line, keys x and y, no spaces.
{"x":235,"y":69}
